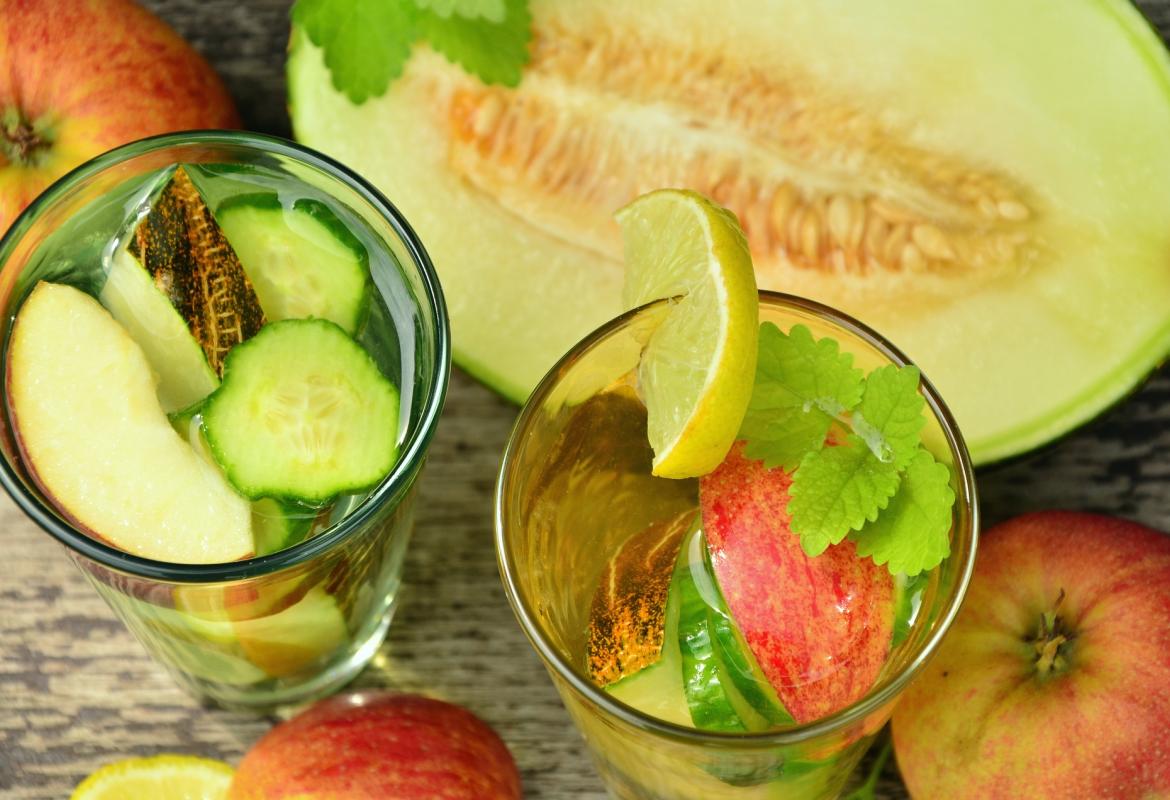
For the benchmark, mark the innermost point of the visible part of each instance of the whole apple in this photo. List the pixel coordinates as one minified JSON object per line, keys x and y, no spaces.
{"x":78,"y":77}
{"x":1054,"y":682}
{"x":378,"y":744}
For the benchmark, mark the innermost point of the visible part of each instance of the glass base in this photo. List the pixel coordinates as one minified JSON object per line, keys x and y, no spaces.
{"x":281,"y":693}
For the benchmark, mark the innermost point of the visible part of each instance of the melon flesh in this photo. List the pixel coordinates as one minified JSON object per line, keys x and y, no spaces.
{"x":984,"y":183}
{"x":94,"y":437}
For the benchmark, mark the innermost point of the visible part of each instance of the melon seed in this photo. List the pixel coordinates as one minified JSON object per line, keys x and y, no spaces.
{"x":816,"y":183}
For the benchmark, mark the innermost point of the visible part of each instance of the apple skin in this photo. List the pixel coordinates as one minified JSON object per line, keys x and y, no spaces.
{"x":79,"y":77}
{"x":378,"y":744}
{"x":820,"y":628}
{"x":981,"y":722}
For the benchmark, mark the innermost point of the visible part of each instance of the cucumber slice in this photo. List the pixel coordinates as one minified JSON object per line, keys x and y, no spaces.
{"x":303,"y":414}
{"x":188,"y":423}
{"x":277,"y":525}
{"x":907,"y":600}
{"x":704,"y":679}
{"x":748,"y":688}
{"x":657,"y":690}
{"x":184,"y":375}
{"x":302,"y":260}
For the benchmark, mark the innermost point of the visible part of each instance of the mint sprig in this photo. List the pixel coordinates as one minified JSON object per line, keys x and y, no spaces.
{"x":495,"y":51}
{"x":801,"y":386}
{"x":889,"y":418}
{"x":367,"y":43}
{"x":491,"y":10}
{"x":912,"y":533}
{"x":854,"y":445}
{"x":836,"y":490}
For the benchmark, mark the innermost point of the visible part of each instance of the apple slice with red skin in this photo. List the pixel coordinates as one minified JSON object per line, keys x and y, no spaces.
{"x":1052,"y":682}
{"x":379,"y":744}
{"x":79,"y":77}
{"x":93,"y":436}
{"x":820,"y":628}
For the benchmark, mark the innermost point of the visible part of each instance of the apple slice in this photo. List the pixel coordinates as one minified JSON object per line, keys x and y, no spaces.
{"x":820,"y":628}
{"x":95,"y":439}
{"x":288,"y":641}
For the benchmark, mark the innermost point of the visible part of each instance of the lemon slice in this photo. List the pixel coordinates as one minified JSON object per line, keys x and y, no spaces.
{"x":697,"y":370}
{"x":165,"y":777}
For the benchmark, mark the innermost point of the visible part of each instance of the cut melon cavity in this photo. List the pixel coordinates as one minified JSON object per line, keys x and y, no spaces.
{"x":958,"y":175}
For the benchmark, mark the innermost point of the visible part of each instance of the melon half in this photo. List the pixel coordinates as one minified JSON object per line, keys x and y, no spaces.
{"x":985,"y":183}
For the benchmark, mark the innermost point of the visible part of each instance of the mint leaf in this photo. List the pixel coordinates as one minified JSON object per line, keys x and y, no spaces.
{"x":890,"y":417}
{"x":491,"y":10}
{"x":836,"y":490}
{"x":807,"y":371}
{"x":494,"y":51}
{"x":781,"y":436}
{"x":913,"y":533}
{"x":366,"y":44}
{"x":801,"y":385}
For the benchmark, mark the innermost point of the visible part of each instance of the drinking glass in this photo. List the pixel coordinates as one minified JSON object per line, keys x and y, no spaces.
{"x":300,"y":622}
{"x":575,"y":483}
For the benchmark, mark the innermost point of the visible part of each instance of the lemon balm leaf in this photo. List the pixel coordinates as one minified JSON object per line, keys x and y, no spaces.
{"x":890,"y":418}
{"x":836,"y":490}
{"x":879,"y":485}
{"x":782,"y":435}
{"x":366,"y":45}
{"x":801,"y":385}
{"x":801,"y":370}
{"x":913,"y":533}
{"x":491,"y":10}
{"x":494,"y":51}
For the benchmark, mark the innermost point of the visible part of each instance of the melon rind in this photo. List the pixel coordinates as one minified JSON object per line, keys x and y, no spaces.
{"x":1070,"y":100}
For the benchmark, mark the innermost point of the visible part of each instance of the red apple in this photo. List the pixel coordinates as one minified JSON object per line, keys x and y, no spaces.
{"x":820,"y":627}
{"x":1053,"y":681}
{"x":379,"y":745}
{"x":78,"y":77}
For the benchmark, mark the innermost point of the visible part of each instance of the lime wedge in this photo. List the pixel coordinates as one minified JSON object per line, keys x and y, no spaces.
{"x":697,"y":370}
{"x":164,"y":777}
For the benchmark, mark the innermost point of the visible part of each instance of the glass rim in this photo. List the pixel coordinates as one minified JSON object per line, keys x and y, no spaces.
{"x":412,"y":452}
{"x":838,"y":720}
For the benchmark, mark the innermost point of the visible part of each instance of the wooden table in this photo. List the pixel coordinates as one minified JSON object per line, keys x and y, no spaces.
{"x":76,"y":691}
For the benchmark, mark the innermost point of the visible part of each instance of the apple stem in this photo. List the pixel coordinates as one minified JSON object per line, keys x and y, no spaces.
{"x":20,"y":140}
{"x":1050,"y":641}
